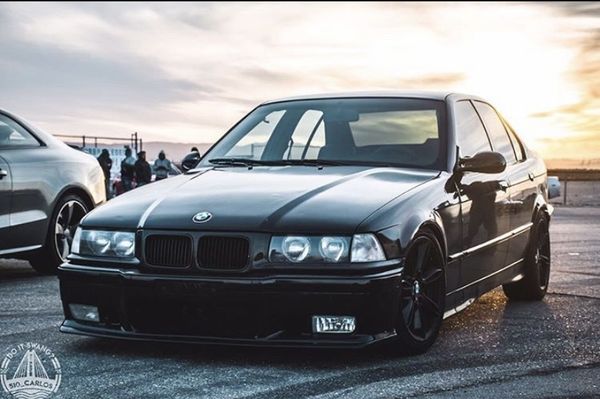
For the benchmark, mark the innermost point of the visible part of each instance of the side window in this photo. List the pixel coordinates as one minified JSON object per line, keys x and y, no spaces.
{"x":497,"y":132}
{"x":470,"y":134}
{"x":14,"y":135}
{"x":519,"y":151}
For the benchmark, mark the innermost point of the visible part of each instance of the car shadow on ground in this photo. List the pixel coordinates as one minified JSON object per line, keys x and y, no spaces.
{"x":11,"y":269}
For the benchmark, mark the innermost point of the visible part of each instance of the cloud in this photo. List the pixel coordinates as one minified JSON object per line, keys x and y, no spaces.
{"x":187,"y":71}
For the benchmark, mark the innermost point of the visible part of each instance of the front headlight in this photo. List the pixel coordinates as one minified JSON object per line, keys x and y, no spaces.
{"x":325,"y":249}
{"x":309,"y":249}
{"x":116,"y":244}
{"x":366,"y":248}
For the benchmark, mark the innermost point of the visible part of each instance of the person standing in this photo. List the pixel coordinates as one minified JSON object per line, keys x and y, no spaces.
{"x":127,"y":170}
{"x":143,"y":172}
{"x":106,"y":164}
{"x":162,"y":166}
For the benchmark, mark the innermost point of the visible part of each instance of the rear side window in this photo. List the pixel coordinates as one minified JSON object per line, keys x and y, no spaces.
{"x":497,"y":132}
{"x":14,"y":135}
{"x":470,"y":134}
{"x":519,"y":151}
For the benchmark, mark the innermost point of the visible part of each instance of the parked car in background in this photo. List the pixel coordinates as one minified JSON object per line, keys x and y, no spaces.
{"x":553,"y":187}
{"x":335,"y":221}
{"x":46,"y":187}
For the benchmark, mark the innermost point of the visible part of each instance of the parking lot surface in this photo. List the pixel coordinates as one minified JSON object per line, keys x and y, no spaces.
{"x":495,"y":348}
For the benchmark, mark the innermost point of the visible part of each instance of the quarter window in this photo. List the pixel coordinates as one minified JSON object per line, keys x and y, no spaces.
{"x":471,"y":136}
{"x":497,"y":132}
{"x":516,"y":142}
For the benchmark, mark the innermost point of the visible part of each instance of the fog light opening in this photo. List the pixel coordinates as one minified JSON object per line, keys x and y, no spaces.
{"x":85,"y":312}
{"x":334,"y":324}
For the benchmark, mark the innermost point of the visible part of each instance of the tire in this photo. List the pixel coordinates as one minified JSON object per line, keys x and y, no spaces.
{"x":534,"y":285}
{"x":422,"y":296}
{"x":67,"y":214}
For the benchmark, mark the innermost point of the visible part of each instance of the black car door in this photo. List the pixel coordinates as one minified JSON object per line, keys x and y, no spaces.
{"x":523,"y":193}
{"x":484,"y":198}
{"x":501,"y":143}
{"x":5,"y":194}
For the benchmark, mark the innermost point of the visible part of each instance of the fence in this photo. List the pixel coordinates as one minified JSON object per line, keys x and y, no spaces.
{"x":578,"y":187}
{"x":135,"y":142}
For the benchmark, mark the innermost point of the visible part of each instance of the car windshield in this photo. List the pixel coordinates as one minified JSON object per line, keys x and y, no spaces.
{"x":359,"y":131}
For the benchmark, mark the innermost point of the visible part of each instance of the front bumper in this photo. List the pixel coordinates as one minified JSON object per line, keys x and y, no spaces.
{"x":271,"y":311}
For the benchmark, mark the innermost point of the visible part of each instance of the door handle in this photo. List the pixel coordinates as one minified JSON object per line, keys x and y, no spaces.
{"x":3,"y":173}
{"x":503,"y":185}
{"x":531,"y":176}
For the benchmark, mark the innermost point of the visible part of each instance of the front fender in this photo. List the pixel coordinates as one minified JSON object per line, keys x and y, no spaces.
{"x":395,"y":239}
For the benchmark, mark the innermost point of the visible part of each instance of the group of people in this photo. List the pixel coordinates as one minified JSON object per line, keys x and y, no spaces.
{"x":133,"y":170}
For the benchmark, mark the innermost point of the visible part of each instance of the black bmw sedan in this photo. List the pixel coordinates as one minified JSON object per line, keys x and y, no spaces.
{"x":334,"y":220}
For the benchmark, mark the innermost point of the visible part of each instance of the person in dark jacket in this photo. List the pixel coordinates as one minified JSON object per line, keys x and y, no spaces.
{"x":106,"y":164}
{"x":143,"y":171}
{"x":127,"y":170}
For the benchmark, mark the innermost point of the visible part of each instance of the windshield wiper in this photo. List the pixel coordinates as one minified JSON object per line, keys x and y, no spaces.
{"x":291,"y":162}
{"x":236,"y":161}
{"x":314,"y":162}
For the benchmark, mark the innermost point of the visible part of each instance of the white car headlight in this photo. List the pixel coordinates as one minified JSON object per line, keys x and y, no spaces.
{"x":366,"y":248}
{"x":116,"y":244}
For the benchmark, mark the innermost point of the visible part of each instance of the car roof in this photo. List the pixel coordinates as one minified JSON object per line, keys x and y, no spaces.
{"x":421,"y":94}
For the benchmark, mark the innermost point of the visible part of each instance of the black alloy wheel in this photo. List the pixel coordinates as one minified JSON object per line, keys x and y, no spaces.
{"x":536,"y":276}
{"x":422,"y":294}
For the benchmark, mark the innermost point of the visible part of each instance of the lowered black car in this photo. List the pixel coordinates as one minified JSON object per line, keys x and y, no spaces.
{"x":334,"y":221}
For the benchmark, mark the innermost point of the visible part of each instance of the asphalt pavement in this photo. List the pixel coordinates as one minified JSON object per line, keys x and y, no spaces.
{"x":495,"y":348}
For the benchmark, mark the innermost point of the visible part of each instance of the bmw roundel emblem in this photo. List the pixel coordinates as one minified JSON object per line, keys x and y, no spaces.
{"x":202,"y":217}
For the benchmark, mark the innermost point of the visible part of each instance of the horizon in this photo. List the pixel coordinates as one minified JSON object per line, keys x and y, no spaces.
{"x":187,"y":72}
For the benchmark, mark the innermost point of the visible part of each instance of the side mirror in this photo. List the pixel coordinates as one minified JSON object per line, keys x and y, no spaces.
{"x":483,"y":162}
{"x":190,"y":161}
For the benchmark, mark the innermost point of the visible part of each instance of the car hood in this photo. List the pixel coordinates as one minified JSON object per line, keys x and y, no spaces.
{"x":286,"y":199}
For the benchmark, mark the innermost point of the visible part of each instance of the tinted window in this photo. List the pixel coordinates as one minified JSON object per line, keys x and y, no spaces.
{"x":471,"y":136}
{"x":14,"y":135}
{"x":516,"y":143}
{"x":496,"y":130}
{"x":395,"y":127}
{"x":394,"y":131}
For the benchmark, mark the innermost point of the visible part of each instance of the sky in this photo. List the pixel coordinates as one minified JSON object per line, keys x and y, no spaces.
{"x":186,"y":72}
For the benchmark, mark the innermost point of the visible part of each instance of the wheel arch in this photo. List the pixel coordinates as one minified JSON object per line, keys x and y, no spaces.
{"x":396,"y":239}
{"x":541,"y":206}
{"x":78,"y":190}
